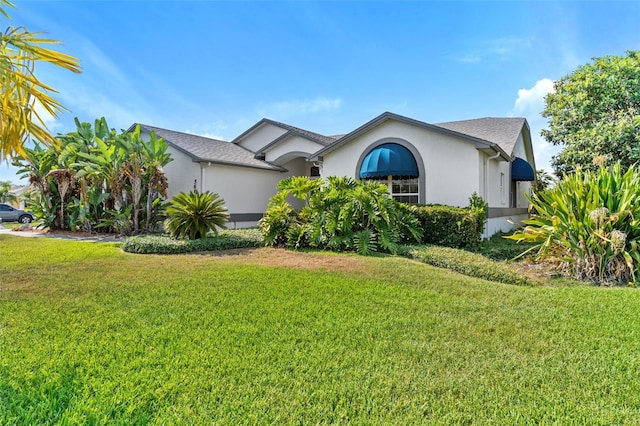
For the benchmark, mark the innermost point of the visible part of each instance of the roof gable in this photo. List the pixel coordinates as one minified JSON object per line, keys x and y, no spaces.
{"x":202,"y":149}
{"x":312,"y":136}
{"x":478,"y":142}
{"x":502,"y":131}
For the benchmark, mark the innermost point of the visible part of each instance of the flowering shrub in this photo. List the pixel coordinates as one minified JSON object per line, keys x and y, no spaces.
{"x":589,"y":224}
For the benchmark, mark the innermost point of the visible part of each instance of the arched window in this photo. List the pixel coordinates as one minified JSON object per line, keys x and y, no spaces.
{"x":395,"y":165}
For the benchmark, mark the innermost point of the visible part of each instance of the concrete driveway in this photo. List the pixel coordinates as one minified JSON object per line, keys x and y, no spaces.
{"x":37,"y":233}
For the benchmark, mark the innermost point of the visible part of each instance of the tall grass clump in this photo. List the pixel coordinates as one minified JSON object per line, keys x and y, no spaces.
{"x":339,"y":214}
{"x":589,"y":224}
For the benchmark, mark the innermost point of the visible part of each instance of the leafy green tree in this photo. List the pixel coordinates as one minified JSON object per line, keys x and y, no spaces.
{"x":543,"y":181}
{"x":193,"y":215}
{"x":22,"y":92}
{"x":595,"y":111}
{"x":6,"y":196}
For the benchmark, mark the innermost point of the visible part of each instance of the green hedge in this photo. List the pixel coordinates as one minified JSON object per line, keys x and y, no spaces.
{"x":164,"y":244}
{"x":467,"y":263}
{"x":449,"y":226}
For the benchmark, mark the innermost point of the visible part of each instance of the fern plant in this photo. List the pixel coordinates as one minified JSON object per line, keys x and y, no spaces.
{"x":193,"y":215}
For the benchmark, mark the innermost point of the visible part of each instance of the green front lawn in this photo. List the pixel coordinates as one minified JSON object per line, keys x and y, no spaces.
{"x":92,"y":335}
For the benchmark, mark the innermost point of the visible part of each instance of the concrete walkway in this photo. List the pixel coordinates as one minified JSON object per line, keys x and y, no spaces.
{"x":63,"y":236}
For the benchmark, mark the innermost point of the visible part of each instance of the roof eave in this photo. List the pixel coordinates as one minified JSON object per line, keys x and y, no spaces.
{"x":251,"y":129}
{"x":478,"y":143}
{"x":284,"y":137}
{"x":270,"y":167}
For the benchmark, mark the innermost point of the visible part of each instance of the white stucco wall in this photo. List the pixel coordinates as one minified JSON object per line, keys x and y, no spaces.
{"x":261,"y":136}
{"x":451,"y":165}
{"x":293,"y":144}
{"x":181,"y":173}
{"x":519,"y":150}
{"x":498,"y":183}
{"x":503,"y":224}
{"x":244,"y":189}
{"x":524,"y":187}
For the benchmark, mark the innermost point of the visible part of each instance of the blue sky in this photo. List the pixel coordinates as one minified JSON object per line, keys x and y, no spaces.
{"x":215,"y":68}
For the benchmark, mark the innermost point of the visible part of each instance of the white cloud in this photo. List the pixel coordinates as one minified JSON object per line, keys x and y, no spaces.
{"x":51,"y":122}
{"x":529,"y":104}
{"x":532,"y":100}
{"x":212,"y":130}
{"x":469,"y":58}
{"x":500,"y":48}
{"x":506,"y":45}
{"x":209,"y":135}
{"x":286,"y":109}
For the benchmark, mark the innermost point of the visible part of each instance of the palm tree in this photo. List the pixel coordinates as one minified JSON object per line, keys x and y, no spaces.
{"x":6,"y":196}
{"x":155,"y":158}
{"x":63,"y":178}
{"x":22,"y":92}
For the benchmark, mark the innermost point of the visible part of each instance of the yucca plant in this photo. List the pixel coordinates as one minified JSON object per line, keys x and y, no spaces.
{"x":589,"y":224}
{"x":193,"y":215}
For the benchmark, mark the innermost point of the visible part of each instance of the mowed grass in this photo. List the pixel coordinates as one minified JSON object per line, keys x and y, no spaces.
{"x":92,"y":335}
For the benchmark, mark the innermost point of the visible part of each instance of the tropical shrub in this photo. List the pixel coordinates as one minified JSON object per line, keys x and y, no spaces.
{"x":339,"y":214}
{"x":481,"y":208}
{"x":97,"y":179}
{"x":164,"y":244}
{"x":449,"y":226}
{"x":193,"y":215}
{"x":589,"y":224}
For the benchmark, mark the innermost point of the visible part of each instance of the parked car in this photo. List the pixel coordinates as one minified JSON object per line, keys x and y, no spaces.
{"x":11,"y":214}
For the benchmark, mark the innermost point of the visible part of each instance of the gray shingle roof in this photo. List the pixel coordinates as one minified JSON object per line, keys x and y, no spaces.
{"x":322,"y":139}
{"x":503,"y":131}
{"x":200,"y":148}
{"x":479,"y":142}
{"x":316,"y":137}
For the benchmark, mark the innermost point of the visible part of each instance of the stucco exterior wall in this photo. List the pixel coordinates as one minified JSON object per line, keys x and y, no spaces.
{"x":519,"y":150}
{"x":182,"y":173}
{"x":244,"y":190}
{"x":247,"y":190}
{"x":294,"y":146}
{"x":522,"y":188}
{"x":498,"y":183}
{"x":451,"y":165}
{"x":261,"y":136}
{"x":503,"y":224}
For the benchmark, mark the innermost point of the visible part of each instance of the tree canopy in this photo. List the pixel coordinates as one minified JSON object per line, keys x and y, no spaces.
{"x":595,"y":112}
{"x":23,"y":97}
